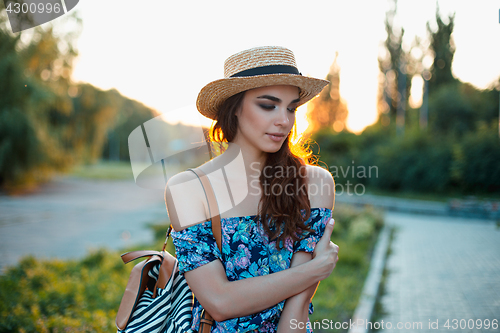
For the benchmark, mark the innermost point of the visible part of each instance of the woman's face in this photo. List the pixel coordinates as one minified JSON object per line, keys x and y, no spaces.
{"x":266,"y":111}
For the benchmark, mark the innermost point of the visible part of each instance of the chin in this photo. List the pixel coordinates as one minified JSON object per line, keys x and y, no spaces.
{"x":272,"y":148}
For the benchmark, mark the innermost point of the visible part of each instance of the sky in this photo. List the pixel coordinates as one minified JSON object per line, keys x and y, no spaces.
{"x":162,"y":53}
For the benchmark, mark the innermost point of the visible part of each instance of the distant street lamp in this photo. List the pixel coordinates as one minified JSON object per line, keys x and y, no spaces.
{"x":401,"y":110}
{"x":424,"y":109}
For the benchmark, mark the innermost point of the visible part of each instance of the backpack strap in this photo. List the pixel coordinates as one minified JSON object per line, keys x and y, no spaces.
{"x":129,"y":256}
{"x":213,"y":208}
{"x":206,"y":321}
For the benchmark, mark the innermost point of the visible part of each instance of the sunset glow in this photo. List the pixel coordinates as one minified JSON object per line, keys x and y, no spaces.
{"x":165,"y":67}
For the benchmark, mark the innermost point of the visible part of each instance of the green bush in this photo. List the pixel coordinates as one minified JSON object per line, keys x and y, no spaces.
{"x":341,"y":154}
{"x":415,"y":163}
{"x":477,"y":158}
{"x":459,"y":108}
{"x":61,"y":296}
{"x":361,"y":229}
{"x":450,"y":111}
{"x":420,"y":161}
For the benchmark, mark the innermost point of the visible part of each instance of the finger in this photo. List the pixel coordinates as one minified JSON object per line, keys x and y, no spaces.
{"x":325,"y":239}
{"x":329,"y":229}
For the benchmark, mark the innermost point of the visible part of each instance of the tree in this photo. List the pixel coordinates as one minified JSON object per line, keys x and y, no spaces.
{"x":455,"y":107}
{"x":29,"y":151}
{"x":397,"y":68}
{"x":444,"y":49}
{"x":48,"y":123}
{"x":328,"y":110}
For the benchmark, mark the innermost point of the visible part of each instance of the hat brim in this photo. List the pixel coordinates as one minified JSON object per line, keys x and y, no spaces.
{"x":215,"y":93}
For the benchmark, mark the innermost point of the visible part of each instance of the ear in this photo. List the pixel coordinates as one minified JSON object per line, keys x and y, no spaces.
{"x":239,"y":109}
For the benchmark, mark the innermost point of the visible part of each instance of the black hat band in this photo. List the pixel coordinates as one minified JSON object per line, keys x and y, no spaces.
{"x":271,"y":69}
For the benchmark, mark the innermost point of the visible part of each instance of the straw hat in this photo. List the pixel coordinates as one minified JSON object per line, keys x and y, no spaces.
{"x":254,"y":68}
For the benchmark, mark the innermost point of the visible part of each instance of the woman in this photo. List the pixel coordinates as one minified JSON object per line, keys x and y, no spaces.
{"x":269,"y":269}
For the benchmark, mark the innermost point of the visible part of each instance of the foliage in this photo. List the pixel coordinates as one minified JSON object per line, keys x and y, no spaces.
{"x":421,"y":161}
{"x":60,"y":296}
{"x":130,"y":115}
{"x":109,"y":170}
{"x":450,"y":111}
{"x":29,"y":152}
{"x":349,"y":157}
{"x":476,"y":166}
{"x":457,"y":108}
{"x":331,"y":145}
{"x":413,"y":163}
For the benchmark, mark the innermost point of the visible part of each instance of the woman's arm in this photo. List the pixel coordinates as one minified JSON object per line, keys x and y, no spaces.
{"x":297,"y":307}
{"x":225,"y":299}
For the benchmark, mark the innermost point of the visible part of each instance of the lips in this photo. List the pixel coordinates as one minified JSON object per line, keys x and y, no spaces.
{"x":276,"y":136}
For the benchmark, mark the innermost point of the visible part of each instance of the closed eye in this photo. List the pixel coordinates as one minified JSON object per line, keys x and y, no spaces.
{"x":272,"y":107}
{"x":267,"y":106}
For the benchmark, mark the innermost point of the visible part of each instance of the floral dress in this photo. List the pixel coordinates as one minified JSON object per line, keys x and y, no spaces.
{"x":247,"y":252}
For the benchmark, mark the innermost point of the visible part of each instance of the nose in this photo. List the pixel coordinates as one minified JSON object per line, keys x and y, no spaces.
{"x":283,"y":117}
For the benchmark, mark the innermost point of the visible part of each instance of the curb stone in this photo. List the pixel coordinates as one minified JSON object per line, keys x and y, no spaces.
{"x":366,"y":304}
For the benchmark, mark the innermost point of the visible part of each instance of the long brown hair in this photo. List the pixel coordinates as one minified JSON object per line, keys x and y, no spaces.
{"x":283,"y":211}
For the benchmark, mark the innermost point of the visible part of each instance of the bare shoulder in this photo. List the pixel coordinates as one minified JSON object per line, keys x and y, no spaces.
{"x":184,"y":200}
{"x":321,"y":187}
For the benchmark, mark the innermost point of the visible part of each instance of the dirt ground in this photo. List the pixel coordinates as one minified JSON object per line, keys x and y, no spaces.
{"x":70,"y":216}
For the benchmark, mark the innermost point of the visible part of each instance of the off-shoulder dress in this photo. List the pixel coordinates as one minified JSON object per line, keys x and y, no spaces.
{"x":247,"y":252}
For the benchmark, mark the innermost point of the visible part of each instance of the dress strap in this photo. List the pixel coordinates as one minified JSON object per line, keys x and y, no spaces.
{"x":213,"y":208}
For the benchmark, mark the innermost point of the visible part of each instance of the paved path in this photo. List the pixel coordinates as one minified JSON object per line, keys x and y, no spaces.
{"x":69,"y":216}
{"x":442,"y":268}
{"x":472,"y":208}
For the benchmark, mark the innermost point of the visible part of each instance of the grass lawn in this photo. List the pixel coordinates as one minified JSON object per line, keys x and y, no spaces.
{"x":112,"y":170}
{"x":118,"y":170}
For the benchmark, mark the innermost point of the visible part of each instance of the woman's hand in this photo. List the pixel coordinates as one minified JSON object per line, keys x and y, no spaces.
{"x":325,"y":253}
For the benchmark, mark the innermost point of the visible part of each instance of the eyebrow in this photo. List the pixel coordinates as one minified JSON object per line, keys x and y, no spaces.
{"x":276,"y":99}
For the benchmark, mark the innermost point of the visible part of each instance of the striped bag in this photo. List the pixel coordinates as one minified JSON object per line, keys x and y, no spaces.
{"x":157,"y":298}
{"x":169,"y":312}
